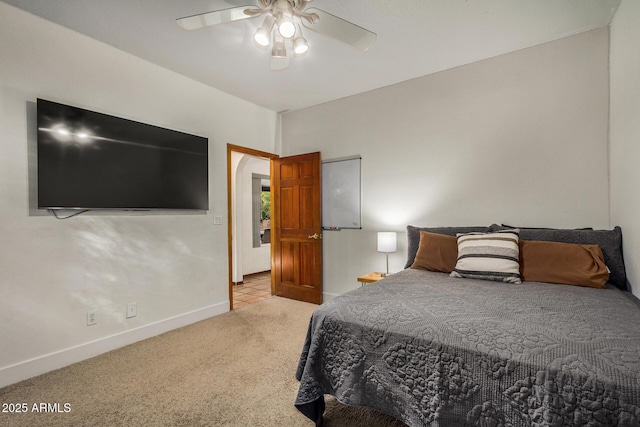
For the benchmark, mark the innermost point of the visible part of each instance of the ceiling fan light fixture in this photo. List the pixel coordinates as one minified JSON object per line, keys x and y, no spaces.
{"x":282,"y":27}
{"x":279,"y":50}
{"x":283,"y":11}
{"x":286,"y":28}
{"x":300,"y":46}
{"x":262,"y":37}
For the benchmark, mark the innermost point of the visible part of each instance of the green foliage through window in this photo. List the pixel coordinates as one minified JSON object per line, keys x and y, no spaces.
{"x":265,"y":205}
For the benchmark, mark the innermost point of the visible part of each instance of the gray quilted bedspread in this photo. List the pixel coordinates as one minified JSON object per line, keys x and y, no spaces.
{"x":437,"y":351}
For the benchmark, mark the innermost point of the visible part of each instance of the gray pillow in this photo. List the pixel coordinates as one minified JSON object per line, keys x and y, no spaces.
{"x":610,"y":242}
{"x":413,"y":237}
{"x":538,"y":228}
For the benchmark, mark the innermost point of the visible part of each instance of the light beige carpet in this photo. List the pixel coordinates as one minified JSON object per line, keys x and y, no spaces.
{"x":236,"y":369}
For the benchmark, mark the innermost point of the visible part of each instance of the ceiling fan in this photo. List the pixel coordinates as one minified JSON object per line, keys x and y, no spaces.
{"x":282,"y":26}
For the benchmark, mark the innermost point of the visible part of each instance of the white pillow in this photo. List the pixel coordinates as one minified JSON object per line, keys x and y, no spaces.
{"x":489,"y":256}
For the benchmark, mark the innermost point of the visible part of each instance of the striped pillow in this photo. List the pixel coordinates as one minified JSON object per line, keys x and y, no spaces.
{"x":489,"y":256}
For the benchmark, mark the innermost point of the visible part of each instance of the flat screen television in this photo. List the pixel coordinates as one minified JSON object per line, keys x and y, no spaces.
{"x":90,"y":160}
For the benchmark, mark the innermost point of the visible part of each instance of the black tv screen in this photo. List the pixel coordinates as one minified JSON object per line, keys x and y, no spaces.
{"x":89,"y":160}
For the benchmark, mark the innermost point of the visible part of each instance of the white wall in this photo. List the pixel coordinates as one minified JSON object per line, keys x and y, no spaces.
{"x":625,"y":133}
{"x":249,"y":259}
{"x":174,"y":266}
{"x":256,"y":260}
{"x":519,"y":139}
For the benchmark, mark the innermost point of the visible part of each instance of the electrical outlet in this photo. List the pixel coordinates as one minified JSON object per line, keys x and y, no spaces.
{"x":92,"y":317}
{"x":217,"y":219}
{"x":132,"y":310}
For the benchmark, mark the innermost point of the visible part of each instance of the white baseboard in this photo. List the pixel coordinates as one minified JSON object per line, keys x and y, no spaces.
{"x":39,"y":365}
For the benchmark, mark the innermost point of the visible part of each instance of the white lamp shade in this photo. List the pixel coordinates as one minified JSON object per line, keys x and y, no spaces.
{"x":387,"y":241}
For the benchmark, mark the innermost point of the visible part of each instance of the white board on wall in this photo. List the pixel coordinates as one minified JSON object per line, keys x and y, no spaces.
{"x":341,"y":193}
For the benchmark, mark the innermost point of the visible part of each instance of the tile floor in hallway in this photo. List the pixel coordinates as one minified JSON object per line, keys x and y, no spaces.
{"x":254,"y":287}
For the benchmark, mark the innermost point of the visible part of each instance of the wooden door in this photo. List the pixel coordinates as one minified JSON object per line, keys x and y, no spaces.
{"x":297,"y":227}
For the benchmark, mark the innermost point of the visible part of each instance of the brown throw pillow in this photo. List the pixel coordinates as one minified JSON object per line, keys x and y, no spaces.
{"x":436,"y":252}
{"x":564,"y":263}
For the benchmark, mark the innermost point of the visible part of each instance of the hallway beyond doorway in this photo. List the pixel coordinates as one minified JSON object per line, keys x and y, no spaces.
{"x":254,"y":287}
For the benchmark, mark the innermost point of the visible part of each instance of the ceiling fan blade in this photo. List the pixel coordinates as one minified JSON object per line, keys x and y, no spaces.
{"x":341,"y":30}
{"x":208,"y":19}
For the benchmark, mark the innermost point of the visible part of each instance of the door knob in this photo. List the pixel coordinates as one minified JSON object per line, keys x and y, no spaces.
{"x":315,"y":236}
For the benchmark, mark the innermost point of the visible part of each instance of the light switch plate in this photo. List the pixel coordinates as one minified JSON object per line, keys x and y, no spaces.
{"x":132,"y":310}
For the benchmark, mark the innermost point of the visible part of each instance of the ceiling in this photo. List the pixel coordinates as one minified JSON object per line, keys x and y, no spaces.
{"x":415,"y":38}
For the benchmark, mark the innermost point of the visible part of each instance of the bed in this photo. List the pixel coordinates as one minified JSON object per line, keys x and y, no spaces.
{"x":435,"y":350}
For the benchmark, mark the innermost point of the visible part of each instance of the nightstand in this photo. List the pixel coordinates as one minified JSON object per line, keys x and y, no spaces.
{"x":370,"y":278}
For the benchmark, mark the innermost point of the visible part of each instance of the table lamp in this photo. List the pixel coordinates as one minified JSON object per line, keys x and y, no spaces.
{"x":387,"y":243}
